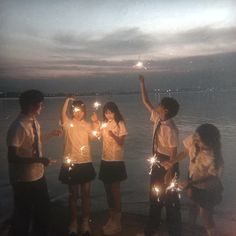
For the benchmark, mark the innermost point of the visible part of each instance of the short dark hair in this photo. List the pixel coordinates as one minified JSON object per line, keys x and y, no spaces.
{"x":171,"y":105}
{"x":30,"y":98}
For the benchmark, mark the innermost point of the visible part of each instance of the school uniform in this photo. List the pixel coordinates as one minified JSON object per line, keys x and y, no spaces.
{"x":79,"y":169}
{"x":206,"y":194}
{"x":165,"y":137}
{"x":112,"y":168}
{"x":31,"y":198}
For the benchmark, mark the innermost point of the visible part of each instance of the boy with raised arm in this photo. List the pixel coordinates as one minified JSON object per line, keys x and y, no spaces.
{"x":165,"y":142}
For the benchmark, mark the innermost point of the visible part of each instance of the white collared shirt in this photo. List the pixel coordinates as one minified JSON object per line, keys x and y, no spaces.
{"x":201,"y":165}
{"x":20,"y":135}
{"x":112,"y":151}
{"x":76,"y":141}
{"x":167,"y":135}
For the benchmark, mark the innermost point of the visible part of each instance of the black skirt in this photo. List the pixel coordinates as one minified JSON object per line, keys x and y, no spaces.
{"x":77,"y":174}
{"x":112,"y":171}
{"x":206,"y":198}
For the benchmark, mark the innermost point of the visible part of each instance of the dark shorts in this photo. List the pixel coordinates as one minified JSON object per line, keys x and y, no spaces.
{"x":112,"y":171}
{"x":206,"y":198}
{"x":77,"y":174}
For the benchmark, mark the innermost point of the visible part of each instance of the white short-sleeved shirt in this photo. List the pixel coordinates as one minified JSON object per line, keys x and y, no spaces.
{"x":76,"y":141}
{"x":167,"y":135}
{"x":111,"y":150}
{"x":20,"y":135}
{"x":201,"y":165}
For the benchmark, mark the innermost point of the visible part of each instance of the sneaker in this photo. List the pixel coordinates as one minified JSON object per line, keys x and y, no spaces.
{"x":85,"y":228}
{"x":73,"y":229}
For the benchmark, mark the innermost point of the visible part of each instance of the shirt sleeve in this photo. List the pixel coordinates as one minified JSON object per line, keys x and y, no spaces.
{"x":16,"y":136}
{"x":154,"y":117}
{"x":173,"y":140}
{"x":122,"y":129}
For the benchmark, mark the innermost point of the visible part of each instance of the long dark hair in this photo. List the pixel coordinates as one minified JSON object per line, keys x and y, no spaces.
{"x":111,"y":106}
{"x":210,"y":136}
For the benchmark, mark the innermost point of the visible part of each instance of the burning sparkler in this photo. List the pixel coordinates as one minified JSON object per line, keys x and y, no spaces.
{"x":96,"y":134}
{"x":104,"y":125}
{"x":68,"y":162}
{"x":153,"y":161}
{"x":174,"y":186}
{"x":156,"y":191}
{"x":139,"y":65}
{"x":96,"y":105}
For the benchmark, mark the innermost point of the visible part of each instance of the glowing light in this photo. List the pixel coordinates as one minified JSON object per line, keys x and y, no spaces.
{"x":174,"y":186}
{"x":96,"y":105}
{"x":71,"y":125}
{"x":156,"y":191}
{"x":153,"y":161}
{"x":104,"y":125}
{"x":76,"y":109}
{"x":82,"y":149}
{"x":139,"y":65}
{"x":96,"y":134}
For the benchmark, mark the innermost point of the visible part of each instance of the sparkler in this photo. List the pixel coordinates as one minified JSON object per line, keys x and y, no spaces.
{"x":174,"y":186}
{"x":104,"y":125}
{"x":139,"y":65}
{"x":156,"y":191}
{"x":68,"y":162}
{"x":96,"y":105}
{"x":153,"y":161}
{"x":71,"y":125}
{"x":96,"y":134}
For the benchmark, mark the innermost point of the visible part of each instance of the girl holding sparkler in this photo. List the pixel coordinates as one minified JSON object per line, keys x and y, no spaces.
{"x":112,"y":169}
{"x":165,"y":142}
{"x":205,"y":167}
{"x":77,"y":170}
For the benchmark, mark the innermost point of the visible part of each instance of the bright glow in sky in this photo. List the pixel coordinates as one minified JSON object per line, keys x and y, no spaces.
{"x":73,"y":37}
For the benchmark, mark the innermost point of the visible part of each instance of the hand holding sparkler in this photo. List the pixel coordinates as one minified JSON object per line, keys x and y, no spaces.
{"x":153,"y":161}
{"x":96,"y":105}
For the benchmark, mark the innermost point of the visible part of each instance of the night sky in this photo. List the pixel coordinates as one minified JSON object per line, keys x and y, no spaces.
{"x":56,"y":39}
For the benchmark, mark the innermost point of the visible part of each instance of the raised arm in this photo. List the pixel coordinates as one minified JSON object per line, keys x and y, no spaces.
{"x":64,"y":116}
{"x":144,"y":94}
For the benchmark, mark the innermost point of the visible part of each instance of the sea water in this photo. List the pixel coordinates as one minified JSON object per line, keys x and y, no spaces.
{"x":217,"y":107}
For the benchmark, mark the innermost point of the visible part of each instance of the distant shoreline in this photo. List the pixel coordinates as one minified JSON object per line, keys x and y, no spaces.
{"x":10,"y":94}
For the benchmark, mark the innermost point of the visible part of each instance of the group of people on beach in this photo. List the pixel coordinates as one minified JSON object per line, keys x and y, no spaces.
{"x":26,"y":166}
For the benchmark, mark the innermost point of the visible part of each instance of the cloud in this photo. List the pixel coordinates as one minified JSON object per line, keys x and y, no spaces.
{"x":132,"y":42}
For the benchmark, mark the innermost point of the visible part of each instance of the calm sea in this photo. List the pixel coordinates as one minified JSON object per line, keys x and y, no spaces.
{"x":196,"y":108}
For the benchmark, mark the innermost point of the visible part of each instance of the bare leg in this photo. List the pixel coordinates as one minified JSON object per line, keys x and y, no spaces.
{"x":115,"y":190}
{"x":193,"y":214}
{"x":207,"y":216}
{"x":85,"y":196}
{"x":73,"y":195}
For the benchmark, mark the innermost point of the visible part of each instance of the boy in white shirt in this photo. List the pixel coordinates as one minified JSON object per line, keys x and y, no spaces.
{"x":26,"y":167}
{"x":165,"y":142}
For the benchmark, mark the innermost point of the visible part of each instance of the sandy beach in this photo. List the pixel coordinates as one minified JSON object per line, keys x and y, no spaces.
{"x":132,"y":223}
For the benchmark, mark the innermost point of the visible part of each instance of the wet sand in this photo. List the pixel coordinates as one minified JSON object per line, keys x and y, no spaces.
{"x":131,"y":223}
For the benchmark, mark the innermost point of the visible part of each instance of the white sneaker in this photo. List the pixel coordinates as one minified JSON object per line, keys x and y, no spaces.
{"x":114,"y":226}
{"x":73,"y":228}
{"x":85,"y":228}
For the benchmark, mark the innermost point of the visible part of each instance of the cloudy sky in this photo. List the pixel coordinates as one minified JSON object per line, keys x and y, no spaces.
{"x":75,"y":39}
